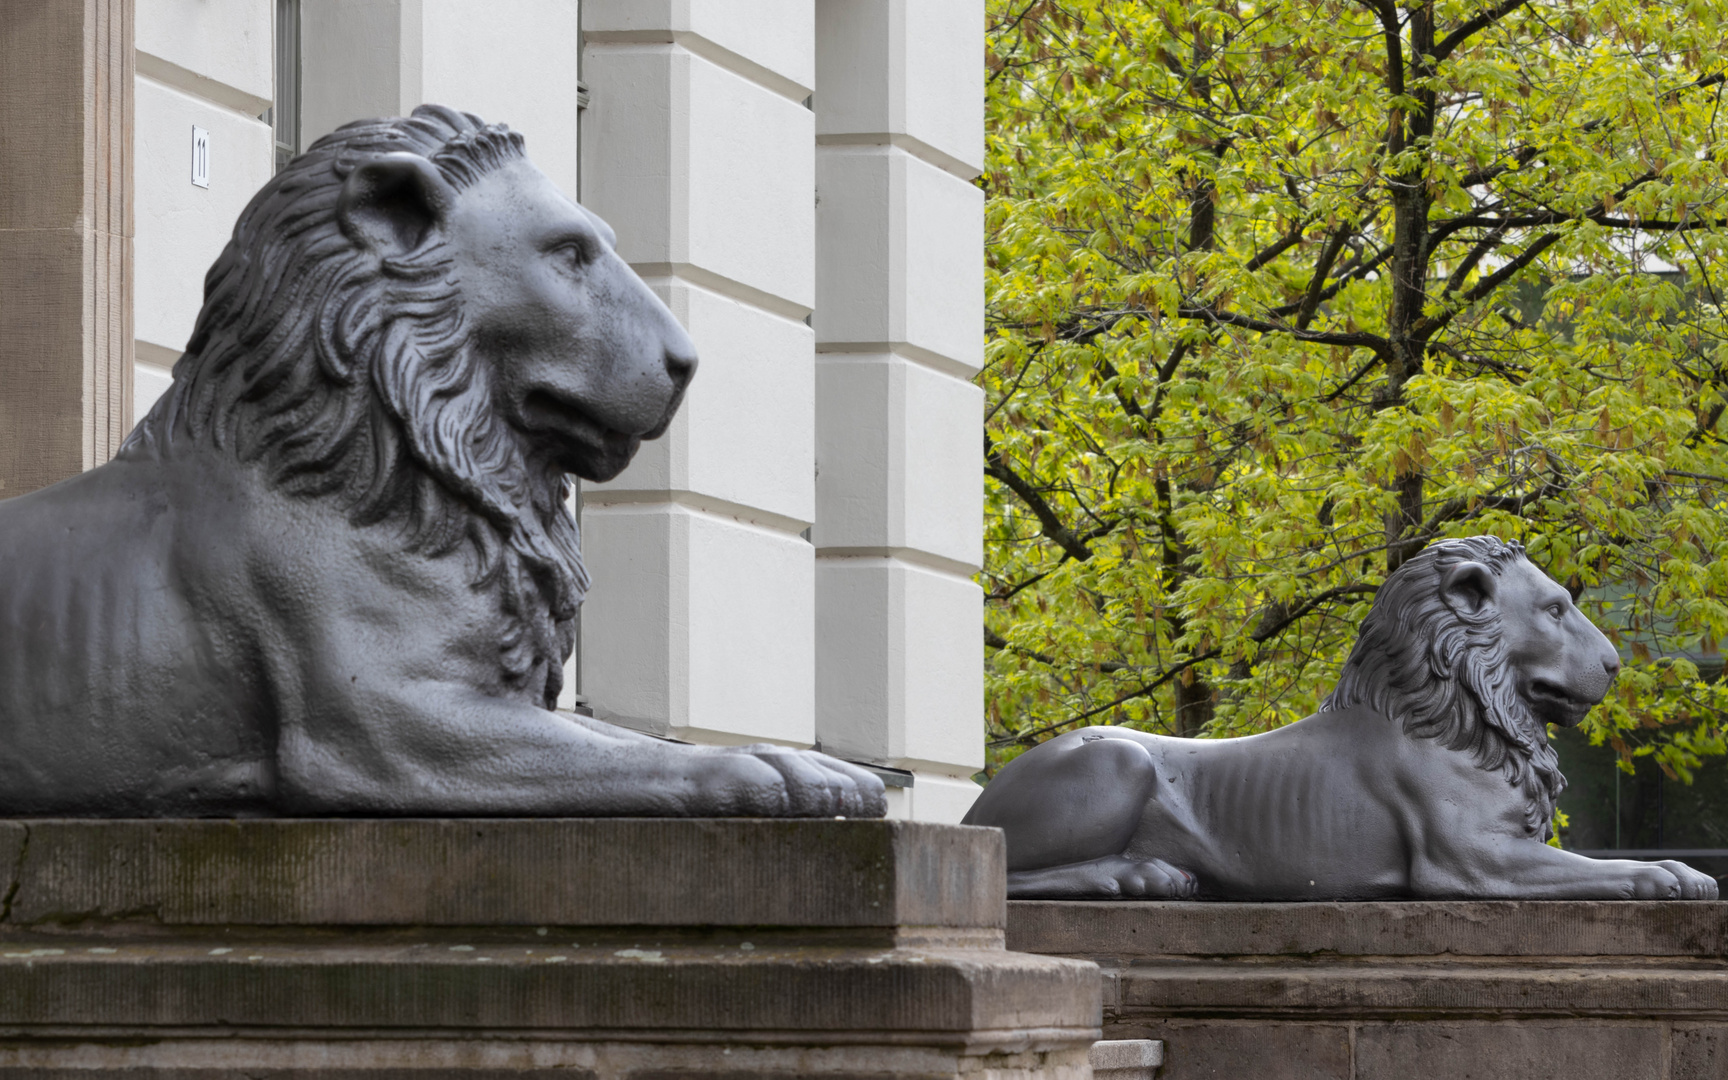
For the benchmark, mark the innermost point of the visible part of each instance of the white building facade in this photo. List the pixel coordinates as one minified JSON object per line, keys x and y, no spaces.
{"x":793,"y":562}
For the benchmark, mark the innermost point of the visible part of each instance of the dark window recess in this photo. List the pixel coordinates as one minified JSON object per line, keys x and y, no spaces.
{"x":1644,"y":815}
{"x":284,"y":116}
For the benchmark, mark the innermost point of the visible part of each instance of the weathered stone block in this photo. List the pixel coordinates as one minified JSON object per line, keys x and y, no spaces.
{"x":1574,"y":989}
{"x":1699,"y":1052}
{"x":512,"y":948}
{"x":1229,"y":1049}
{"x":1529,"y":1050}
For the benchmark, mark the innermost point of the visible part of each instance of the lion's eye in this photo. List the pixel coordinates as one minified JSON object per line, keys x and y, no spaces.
{"x":575,"y":253}
{"x":1557,"y":610}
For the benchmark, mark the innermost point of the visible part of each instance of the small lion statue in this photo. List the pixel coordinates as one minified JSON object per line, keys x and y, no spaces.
{"x":332,"y":571}
{"x":1426,"y":774}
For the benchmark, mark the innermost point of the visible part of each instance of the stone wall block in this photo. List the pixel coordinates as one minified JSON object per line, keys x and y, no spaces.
{"x":608,"y":949}
{"x":515,"y":63}
{"x":221,"y":51}
{"x":66,"y":127}
{"x":723,"y":194}
{"x":1214,"y":1049}
{"x":523,"y":873}
{"x":899,"y":665}
{"x":771,"y":41}
{"x":1135,"y":929}
{"x":898,"y":458}
{"x":1527,"y":1049}
{"x":1698,"y":1052}
{"x":901,"y":263}
{"x":889,"y":69}
{"x":182,"y":228}
{"x":699,"y":626}
{"x":744,"y":433}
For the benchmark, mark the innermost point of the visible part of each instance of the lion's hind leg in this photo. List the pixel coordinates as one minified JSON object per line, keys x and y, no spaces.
{"x":1113,"y":877}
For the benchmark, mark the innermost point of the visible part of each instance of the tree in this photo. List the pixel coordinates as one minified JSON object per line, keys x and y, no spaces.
{"x":1280,"y":292}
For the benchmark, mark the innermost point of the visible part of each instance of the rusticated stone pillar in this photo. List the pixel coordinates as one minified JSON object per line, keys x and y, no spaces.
{"x":66,"y":349}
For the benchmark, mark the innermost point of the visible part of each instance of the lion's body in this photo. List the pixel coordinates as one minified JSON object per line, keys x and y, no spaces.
{"x":333,"y":570}
{"x":194,"y":592}
{"x":1427,"y":773}
{"x":1260,"y":817}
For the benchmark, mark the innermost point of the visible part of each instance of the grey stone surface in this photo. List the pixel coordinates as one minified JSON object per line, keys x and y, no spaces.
{"x":623,"y":949}
{"x":67,"y":91}
{"x":524,"y":872}
{"x":1699,"y":1052}
{"x":1427,"y":773}
{"x":1133,"y":929}
{"x":333,"y":571}
{"x":1234,"y":1050}
{"x":1575,"y":989}
{"x":1126,"y":1059}
{"x":1492,"y":1051}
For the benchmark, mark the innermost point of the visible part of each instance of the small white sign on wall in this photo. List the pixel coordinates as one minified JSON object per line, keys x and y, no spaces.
{"x":200,"y":157}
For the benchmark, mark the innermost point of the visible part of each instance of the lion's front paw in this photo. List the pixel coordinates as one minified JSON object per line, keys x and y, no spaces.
{"x":773,"y":781}
{"x":1654,"y":881}
{"x":1147,"y":879}
{"x":1694,"y":885}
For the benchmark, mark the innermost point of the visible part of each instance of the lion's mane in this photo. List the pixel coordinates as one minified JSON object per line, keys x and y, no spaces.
{"x":1443,"y":673}
{"x":347,"y":378}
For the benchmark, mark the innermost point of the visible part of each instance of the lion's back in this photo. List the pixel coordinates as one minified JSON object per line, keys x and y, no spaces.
{"x":102,"y":707}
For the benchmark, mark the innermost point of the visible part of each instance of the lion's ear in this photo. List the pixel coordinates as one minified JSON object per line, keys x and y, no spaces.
{"x":391,"y":202}
{"x":1468,"y":587}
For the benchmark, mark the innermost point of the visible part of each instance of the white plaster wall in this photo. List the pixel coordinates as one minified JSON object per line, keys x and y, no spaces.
{"x":899,"y":454}
{"x":899,"y":325}
{"x":753,"y":362}
{"x":512,"y":62}
{"x":681,"y":639}
{"x":769,"y":41}
{"x":907,"y":72}
{"x":699,"y":151}
{"x":723,"y":191}
{"x":222,"y":49}
{"x":909,"y":260}
{"x":210,"y":65}
{"x":900,"y":665}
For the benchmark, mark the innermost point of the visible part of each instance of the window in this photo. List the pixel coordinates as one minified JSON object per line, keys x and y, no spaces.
{"x":285,"y":115}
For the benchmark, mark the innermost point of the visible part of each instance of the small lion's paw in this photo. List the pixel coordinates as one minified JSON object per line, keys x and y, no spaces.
{"x":817,"y":785}
{"x":763,"y":780}
{"x":1148,"y":879}
{"x":1694,"y":885}
{"x":1654,"y":881}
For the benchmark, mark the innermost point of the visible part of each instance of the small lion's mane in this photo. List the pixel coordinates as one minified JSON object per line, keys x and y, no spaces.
{"x":1443,"y":674}
{"x":345,"y":376}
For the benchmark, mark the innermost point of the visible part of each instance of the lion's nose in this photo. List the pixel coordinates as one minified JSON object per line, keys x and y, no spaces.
{"x":681,"y":360}
{"x":1611,"y":664}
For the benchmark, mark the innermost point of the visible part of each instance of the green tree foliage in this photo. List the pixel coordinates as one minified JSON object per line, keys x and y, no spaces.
{"x":1279,"y":292}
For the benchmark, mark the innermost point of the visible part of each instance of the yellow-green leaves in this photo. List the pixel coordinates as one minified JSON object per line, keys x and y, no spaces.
{"x":1270,"y":307}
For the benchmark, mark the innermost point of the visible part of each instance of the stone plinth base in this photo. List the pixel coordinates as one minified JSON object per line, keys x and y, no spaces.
{"x":1386,"y":991}
{"x":648,"y":950}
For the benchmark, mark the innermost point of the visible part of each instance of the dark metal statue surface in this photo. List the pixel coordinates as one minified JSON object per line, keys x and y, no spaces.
{"x":332,"y":572}
{"x":1426,"y":774}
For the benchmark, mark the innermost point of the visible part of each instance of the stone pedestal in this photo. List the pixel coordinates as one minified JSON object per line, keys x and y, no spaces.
{"x":513,"y":948}
{"x":1384,"y":991}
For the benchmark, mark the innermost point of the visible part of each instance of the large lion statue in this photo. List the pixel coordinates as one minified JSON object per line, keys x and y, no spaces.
{"x":1427,"y":773}
{"x":332,"y":572}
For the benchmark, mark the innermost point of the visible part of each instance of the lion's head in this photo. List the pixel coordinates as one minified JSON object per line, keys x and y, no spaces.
{"x":1468,"y":643}
{"x":410,"y":318}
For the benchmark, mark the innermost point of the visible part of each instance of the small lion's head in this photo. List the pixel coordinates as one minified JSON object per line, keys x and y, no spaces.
{"x":1468,"y":643}
{"x":412,"y":319}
